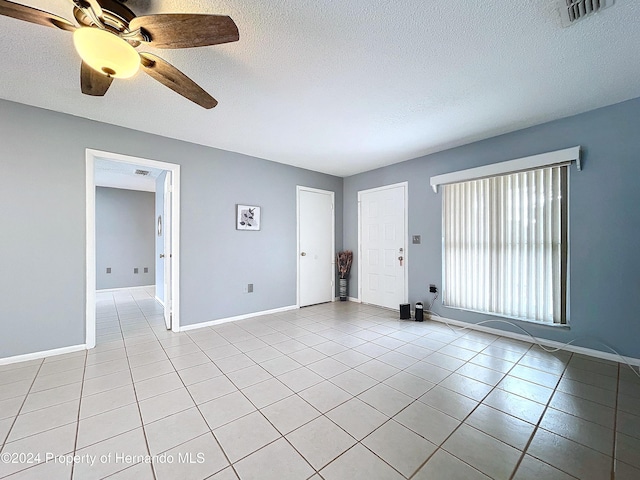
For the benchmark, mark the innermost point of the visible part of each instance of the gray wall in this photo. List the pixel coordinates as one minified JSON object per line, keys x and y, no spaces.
{"x":42,"y":211}
{"x":604,"y":220}
{"x":159,"y":239}
{"x":125,"y":238}
{"x":42,"y":279}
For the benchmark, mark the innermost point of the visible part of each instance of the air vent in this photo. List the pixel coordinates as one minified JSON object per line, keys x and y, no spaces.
{"x":142,"y":172}
{"x":573,"y":10}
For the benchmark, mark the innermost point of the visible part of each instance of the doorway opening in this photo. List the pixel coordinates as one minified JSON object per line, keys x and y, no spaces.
{"x":167,"y":224}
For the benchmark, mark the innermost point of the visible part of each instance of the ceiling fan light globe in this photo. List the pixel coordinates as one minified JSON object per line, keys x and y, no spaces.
{"x":106,"y":53}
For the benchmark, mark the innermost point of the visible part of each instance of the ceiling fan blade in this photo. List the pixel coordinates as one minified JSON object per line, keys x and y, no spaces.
{"x":183,"y":30}
{"x":33,"y":15}
{"x":93,"y":83}
{"x":177,"y":81}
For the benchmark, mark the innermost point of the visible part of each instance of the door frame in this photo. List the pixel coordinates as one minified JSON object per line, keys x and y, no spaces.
{"x":405,"y":185}
{"x":167,"y":265}
{"x":332,"y":195}
{"x":90,"y":279}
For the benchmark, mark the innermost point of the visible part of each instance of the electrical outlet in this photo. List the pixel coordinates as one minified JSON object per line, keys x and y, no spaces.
{"x":433,"y":288}
{"x":135,"y":270}
{"x":250,"y":288}
{"x":108,"y":269}
{"x":146,"y":269}
{"x":416,"y":239}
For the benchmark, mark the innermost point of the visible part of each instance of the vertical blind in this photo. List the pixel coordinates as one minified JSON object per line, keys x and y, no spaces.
{"x":505,"y":244}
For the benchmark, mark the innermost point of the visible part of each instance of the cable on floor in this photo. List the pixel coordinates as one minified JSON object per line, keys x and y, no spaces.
{"x":534,"y":339}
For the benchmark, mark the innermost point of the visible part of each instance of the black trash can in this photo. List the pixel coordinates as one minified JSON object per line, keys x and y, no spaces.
{"x":419,"y":312}
{"x":405,"y":311}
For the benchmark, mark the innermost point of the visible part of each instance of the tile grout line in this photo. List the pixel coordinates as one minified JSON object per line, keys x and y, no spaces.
{"x":328,"y":320}
{"x":349,"y":348}
{"x":324,"y":379}
{"x":75,"y":440}
{"x":134,"y":391}
{"x":195,"y":406}
{"x":282,"y":436}
{"x":15,"y":419}
{"x":614,"y":452}
{"x":390,"y":418}
{"x":537,"y":425}
{"x":359,"y":442}
{"x":126,"y":356}
{"x":439,"y":447}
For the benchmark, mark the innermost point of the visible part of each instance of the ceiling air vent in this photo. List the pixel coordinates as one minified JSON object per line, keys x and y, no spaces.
{"x":573,"y":10}
{"x":142,"y":172}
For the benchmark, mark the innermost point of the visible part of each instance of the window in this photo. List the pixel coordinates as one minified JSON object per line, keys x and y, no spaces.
{"x":505,"y":238}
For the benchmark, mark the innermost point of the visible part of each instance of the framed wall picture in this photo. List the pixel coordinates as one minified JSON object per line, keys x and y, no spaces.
{"x":247,"y":217}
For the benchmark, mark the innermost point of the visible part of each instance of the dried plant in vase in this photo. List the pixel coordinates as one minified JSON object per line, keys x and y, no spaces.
{"x":344,"y":260}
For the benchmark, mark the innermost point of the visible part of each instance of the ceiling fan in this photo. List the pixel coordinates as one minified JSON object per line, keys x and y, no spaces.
{"x":108,"y":33}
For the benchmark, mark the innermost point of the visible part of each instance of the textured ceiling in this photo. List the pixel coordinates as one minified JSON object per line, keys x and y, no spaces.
{"x":346,"y":86}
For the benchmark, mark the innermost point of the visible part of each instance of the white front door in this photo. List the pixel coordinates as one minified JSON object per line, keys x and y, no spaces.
{"x":383,"y":246}
{"x":316,"y":246}
{"x":167,"y":250}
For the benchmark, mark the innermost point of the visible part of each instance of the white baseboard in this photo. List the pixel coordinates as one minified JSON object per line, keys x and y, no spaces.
{"x":542,"y":341}
{"x":184,"y":328}
{"x":46,"y":353}
{"x":104,"y":290}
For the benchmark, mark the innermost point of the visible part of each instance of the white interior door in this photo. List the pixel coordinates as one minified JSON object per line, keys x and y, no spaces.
{"x":383,"y":246}
{"x":168,"y":257}
{"x":316,"y":246}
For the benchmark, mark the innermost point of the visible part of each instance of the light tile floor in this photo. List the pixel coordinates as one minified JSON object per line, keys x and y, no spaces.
{"x":334,"y":391}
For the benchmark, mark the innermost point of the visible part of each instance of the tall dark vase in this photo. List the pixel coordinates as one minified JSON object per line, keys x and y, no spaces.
{"x":343,"y":289}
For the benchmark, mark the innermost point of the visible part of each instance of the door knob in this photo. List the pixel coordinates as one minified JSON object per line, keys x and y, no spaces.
{"x":303,"y":254}
{"x":162,"y":255}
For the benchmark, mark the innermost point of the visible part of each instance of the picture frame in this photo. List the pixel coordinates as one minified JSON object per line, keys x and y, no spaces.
{"x":248,"y":217}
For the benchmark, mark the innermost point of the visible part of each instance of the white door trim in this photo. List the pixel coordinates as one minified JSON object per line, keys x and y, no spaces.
{"x":300,"y":188}
{"x":167,"y":265}
{"x":406,"y":236}
{"x":91,"y":156}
